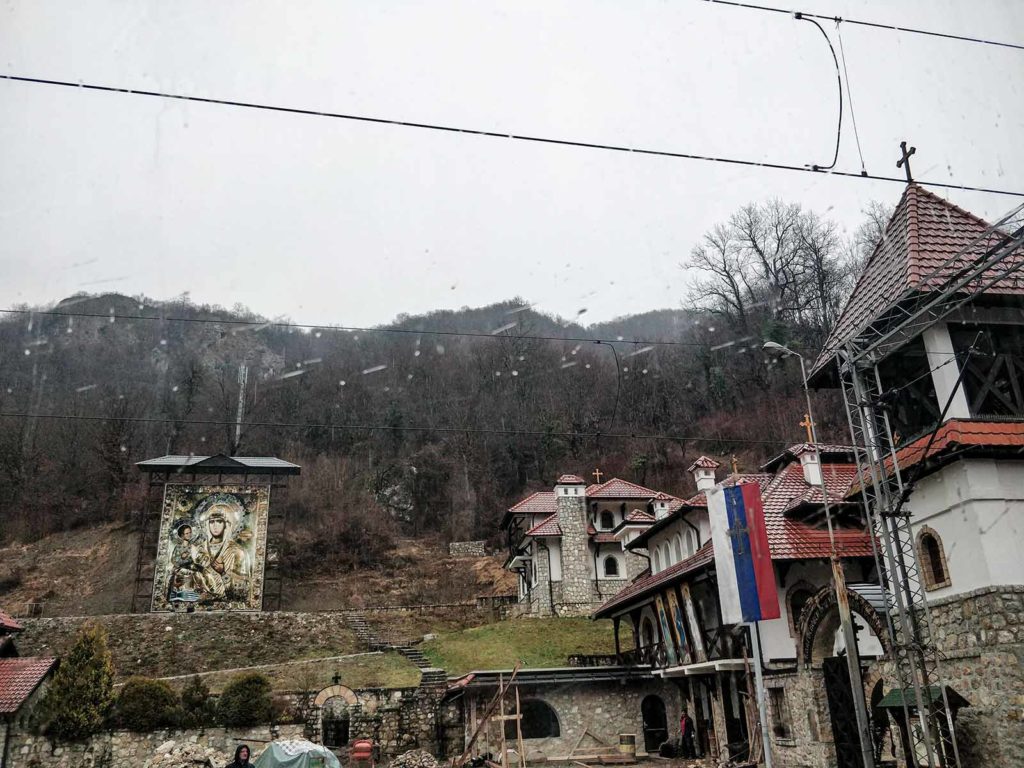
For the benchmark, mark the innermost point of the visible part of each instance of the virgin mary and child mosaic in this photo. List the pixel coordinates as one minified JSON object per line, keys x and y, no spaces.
{"x":212,"y":548}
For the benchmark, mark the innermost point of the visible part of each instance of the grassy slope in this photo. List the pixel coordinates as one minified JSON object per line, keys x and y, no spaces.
{"x":388,"y":670}
{"x":534,"y":642}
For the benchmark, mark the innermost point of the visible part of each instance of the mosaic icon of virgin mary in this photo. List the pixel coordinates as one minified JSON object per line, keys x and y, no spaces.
{"x":212,"y":548}
{"x":222,"y":565}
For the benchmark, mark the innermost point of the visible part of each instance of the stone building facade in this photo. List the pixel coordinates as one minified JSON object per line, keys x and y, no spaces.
{"x":564,"y":544}
{"x":589,"y":707}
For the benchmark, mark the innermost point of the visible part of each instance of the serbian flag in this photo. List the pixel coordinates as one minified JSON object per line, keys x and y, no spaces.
{"x":746,"y":580}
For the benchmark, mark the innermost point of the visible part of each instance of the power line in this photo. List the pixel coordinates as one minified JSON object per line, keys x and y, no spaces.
{"x":849,"y":96}
{"x":872,"y":24}
{"x":259,"y":324}
{"x":501,"y":135}
{"x":389,"y":428}
{"x":839,"y":79}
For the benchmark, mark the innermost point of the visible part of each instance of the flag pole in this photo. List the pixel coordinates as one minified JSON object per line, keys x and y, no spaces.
{"x":762,"y":710}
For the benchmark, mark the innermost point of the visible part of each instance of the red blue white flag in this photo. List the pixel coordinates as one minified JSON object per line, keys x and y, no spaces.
{"x":746,"y":579}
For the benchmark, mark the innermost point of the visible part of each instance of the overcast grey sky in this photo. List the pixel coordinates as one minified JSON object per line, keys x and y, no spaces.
{"x":329,"y":221}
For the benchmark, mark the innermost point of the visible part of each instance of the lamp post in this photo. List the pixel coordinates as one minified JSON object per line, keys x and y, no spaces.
{"x":838,"y":579}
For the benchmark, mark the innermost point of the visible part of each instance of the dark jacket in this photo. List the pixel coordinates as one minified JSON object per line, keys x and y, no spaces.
{"x":238,"y":762}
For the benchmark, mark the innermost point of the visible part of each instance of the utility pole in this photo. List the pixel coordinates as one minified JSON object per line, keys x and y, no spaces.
{"x":838,"y":582}
{"x":243,"y":378}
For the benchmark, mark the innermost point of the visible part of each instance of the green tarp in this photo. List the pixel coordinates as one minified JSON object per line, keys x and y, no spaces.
{"x":296,"y":754}
{"x":933,"y":694}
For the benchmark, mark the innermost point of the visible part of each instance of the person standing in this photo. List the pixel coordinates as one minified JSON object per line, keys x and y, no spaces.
{"x":686,"y":729}
{"x":241,"y":757}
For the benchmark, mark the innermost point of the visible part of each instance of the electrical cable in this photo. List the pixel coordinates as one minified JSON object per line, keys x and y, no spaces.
{"x":872,"y":24}
{"x":388,"y":428}
{"x":502,"y":135}
{"x":849,"y":97}
{"x":839,"y":80}
{"x":259,"y":324}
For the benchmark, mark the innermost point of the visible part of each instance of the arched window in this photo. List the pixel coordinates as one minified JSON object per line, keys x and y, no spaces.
{"x":691,"y":541}
{"x":656,"y":560}
{"x":677,"y":543}
{"x":647,"y":636}
{"x":611,"y":566}
{"x":607,"y":520}
{"x":539,"y":721}
{"x":934,"y":569}
{"x":797,"y":598}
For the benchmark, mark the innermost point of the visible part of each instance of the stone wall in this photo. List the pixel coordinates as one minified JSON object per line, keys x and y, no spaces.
{"x":980,"y":636}
{"x":167,"y":644}
{"x":124,"y":749}
{"x":809,"y":742}
{"x":980,"y":640}
{"x":467,"y":548}
{"x":604,"y":709}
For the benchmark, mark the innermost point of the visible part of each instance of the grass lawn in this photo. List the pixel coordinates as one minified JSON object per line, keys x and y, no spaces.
{"x":544,"y":642}
{"x":387,"y":670}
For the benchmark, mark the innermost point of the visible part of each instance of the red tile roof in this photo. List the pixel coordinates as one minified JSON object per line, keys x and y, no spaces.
{"x":792,"y":539}
{"x":639,"y":516}
{"x":19,"y":678}
{"x":605,"y":537}
{"x":619,"y":489}
{"x":571,"y":480}
{"x":922,"y":234}
{"x":538,"y":503}
{"x":699,"y":500}
{"x":648,"y":582}
{"x":703,"y":463}
{"x":547,"y":527}
{"x":959,"y":435}
{"x":838,"y":453}
{"x":8,"y":624}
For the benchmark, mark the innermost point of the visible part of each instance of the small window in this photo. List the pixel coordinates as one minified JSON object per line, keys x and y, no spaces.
{"x":539,"y":721}
{"x":932,"y":557}
{"x":611,"y":566}
{"x":607,"y":520}
{"x":656,"y":560}
{"x":782,"y":722}
{"x":678,"y":544}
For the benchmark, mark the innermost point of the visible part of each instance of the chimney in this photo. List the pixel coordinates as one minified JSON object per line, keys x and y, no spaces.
{"x":703,"y":470}
{"x":811,"y":467}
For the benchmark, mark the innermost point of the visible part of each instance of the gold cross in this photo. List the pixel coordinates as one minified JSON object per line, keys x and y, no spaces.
{"x":735,"y":465}
{"x":807,"y":423}
{"x":598,"y":474}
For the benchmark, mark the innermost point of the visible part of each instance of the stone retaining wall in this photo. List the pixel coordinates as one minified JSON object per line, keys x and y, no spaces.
{"x":467,"y":549}
{"x":169,"y":644}
{"x":124,"y":749}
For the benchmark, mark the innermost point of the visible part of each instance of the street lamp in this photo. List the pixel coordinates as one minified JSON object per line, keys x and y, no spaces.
{"x":838,"y":578}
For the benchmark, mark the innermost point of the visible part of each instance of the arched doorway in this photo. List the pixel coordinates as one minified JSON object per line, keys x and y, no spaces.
{"x":822,"y":646}
{"x":652,"y":711}
{"x":334,"y":722}
{"x":333,"y":710}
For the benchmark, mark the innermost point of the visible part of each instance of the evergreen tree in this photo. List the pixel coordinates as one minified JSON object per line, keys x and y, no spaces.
{"x":82,"y":692}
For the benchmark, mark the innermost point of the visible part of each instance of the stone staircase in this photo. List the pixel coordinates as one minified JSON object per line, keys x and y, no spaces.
{"x":432,"y":679}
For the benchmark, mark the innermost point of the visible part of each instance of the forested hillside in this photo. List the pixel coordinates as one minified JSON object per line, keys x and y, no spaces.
{"x":431,"y":424}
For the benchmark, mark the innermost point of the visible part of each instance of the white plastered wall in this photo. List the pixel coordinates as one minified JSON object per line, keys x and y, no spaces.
{"x":976,"y":506}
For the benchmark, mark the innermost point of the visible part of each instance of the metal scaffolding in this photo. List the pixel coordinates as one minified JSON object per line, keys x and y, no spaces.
{"x":990,"y":258}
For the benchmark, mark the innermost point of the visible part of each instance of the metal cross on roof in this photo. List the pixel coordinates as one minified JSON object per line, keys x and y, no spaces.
{"x":807,"y":424}
{"x":905,"y":160}
{"x":598,"y":474}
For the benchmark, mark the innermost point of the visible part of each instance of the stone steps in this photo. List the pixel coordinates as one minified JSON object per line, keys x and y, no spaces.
{"x":431,"y":678}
